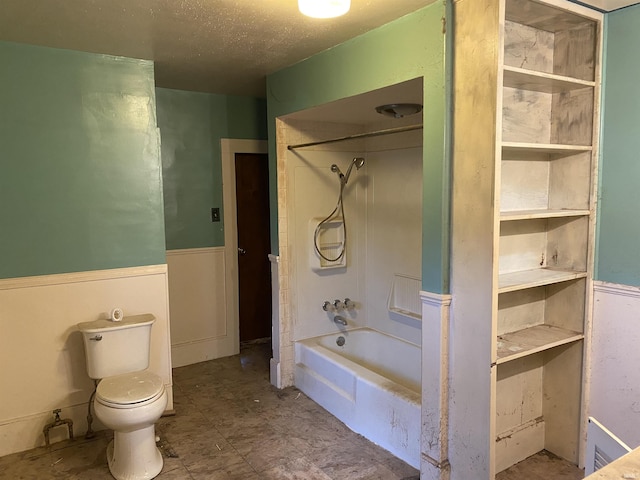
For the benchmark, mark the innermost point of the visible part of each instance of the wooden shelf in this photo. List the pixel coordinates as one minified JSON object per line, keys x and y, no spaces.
{"x":521,"y":343}
{"x":512,"y":281}
{"x":540,"y":81}
{"x":541,"y":16}
{"x":555,"y":150}
{"x":531,"y":214}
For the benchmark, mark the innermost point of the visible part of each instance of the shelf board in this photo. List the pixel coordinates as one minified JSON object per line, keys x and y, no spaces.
{"x":543,"y":17}
{"x":541,"y":81}
{"x":553,"y":149}
{"x":512,"y":281}
{"x":539,"y":213}
{"x":521,"y":343}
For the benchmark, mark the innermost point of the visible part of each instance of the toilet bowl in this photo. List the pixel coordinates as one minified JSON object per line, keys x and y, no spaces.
{"x":129,"y":399}
{"x":130,"y":405}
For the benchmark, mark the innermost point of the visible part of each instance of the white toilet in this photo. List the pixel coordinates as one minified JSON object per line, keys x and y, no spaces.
{"x":129,"y":399}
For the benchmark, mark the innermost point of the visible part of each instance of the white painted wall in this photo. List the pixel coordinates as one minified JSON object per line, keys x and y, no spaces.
{"x":202,"y":328}
{"x":203,"y":282}
{"x":41,"y":350}
{"x":614,"y":380}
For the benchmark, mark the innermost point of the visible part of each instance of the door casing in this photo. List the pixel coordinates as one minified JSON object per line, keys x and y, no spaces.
{"x":229,"y":147}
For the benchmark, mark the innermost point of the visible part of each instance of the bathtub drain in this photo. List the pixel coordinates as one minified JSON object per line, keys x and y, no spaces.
{"x":340,"y":341}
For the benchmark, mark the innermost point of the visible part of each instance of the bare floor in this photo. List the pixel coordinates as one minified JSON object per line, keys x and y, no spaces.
{"x":230,"y":423}
{"x":542,"y":466}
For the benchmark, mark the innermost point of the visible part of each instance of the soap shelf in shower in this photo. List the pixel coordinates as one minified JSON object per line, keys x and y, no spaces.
{"x":404,"y":297}
{"x":330,"y":242}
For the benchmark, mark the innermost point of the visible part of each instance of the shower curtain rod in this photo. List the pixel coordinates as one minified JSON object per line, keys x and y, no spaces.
{"x":376,"y":133}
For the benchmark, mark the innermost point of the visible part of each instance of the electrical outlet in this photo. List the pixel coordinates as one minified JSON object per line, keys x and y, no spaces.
{"x":215,"y":214}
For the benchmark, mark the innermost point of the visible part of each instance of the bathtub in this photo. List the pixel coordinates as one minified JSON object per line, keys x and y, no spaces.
{"x":372,"y":383}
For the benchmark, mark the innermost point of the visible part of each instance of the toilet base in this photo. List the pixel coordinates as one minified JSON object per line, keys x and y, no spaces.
{"x":134,"y":455}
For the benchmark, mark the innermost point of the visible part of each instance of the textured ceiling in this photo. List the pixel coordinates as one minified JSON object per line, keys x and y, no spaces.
{"x":219,"y":46}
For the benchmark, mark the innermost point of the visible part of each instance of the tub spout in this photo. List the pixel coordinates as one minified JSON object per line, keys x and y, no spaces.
{"x":340,"y":319}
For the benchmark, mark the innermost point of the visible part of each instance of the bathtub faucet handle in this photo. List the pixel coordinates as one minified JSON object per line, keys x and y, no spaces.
{"x":338,"y":305}
{"x":327,"y":306}
{"x":349,"y":304}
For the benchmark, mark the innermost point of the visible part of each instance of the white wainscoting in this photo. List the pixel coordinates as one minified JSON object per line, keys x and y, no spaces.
{"x":274,"y":363}
{"x":434,"y":461}
{"x":614,"y":398}
{"x":202,"y":327}
{"x":41,"y":349}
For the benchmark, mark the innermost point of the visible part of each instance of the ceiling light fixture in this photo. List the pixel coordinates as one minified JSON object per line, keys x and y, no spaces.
{"x":399,"y":110}
{"x":324,"y":8}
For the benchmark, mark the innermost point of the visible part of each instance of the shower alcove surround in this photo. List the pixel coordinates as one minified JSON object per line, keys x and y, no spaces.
{"x":523,"y":216}
{"x":380,"y":270}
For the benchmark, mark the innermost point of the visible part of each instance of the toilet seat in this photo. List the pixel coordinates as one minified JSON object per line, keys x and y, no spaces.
{"x":129,"y":390}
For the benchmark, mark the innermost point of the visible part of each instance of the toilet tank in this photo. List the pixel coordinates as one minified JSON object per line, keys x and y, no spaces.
{"x":112,"y":348}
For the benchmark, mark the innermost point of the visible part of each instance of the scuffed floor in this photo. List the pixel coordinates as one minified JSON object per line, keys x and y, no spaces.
{"x":230,"y":423}
{"x":542,"y":466}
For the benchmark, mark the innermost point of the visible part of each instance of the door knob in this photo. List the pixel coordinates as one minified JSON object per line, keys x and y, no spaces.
{"x":241,"y":251}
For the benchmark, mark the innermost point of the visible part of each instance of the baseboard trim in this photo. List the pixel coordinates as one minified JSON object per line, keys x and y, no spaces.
{"x":24,"y":433}
{"x":201,"y":350}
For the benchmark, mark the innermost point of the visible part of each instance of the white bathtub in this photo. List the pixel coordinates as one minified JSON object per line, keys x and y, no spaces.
{"x":371,"y":383}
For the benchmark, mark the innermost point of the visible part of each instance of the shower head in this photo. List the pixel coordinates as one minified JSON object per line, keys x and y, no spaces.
{"x":335,"y":169}
{"x":358,"y":162}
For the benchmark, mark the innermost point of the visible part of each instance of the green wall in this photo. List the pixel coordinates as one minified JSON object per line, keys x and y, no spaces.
{"x":618,"y":254}
{"x":191,"y":126}
{"x":410,"y":47}
{"x":80,"y":178}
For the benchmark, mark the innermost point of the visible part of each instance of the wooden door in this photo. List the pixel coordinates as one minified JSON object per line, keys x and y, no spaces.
{"x":254,"y":268}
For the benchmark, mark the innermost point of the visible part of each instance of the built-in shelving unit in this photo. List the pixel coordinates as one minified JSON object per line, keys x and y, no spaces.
{"x":545,"y":212}
{"x":523,"y":214}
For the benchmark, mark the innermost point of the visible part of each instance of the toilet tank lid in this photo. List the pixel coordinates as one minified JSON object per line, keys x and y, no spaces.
{"x":104,"y":325}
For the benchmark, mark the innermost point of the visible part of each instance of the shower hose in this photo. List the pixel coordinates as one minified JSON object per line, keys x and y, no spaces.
{"x":339,"y":208}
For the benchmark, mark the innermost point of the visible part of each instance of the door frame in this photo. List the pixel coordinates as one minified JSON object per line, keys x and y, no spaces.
{"x":228,"y":148}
